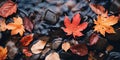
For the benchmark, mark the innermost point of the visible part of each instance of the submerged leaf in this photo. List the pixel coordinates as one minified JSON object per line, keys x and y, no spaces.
{"x":74,"y":28}
{"x":3,"y":26}
{"x":16,"y":26}
{"x":80,"y":49}
{"x":37,"y":47}
{"x":27,"y":52}
{"x":8,"y":8}
{"x":25,"y":41}
{"x":94,"y":38}
{"x":28,"y":24}
{"x":66,"y":46}
{"x":53,"y":56}
{"x":3,"y":53}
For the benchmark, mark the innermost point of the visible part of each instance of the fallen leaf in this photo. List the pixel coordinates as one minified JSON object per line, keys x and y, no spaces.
{"x":2,"y":25}
{"x":66,"y":46}
{"x":79,"y":49}
{"x":8,"y":8}
{"x":53,"y":56}
{"x":109,"y":48}
{"x":3,"y":53}
{"x":104,"y":24}
{"x":98,"y":9}
{"x":27,"y":52}
{"x":74,"y":28}
{"x":28,"y":24}
{"x":37,"y":47}
{"x":93,"y":39}
{"x":25,"y":41}
{"x":16,"y":26}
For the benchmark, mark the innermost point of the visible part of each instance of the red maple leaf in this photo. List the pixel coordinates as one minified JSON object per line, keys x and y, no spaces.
{"x":74,"y":27}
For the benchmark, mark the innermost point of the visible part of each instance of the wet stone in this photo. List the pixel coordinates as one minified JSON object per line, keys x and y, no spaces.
{"x":56,"y":43}
{"x":50,"y":17}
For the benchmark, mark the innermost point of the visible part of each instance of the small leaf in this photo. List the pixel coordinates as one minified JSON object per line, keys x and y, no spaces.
{"x":3,"y":53}
{"x":80,"y":49}
{"x":3,"y":26}
{"x":27,"y":52}
{"x":8,"y":8}
{"x":28,"y":24}
{"x":66,"y":46}
{"x":109,"y":48}
{"x":74,"y":28}
{"x":16,"y":26}
{"x":37,"y":47}
{"x":93,"y":39}
{"x":25,"y":41}
{"x":53,"y":56}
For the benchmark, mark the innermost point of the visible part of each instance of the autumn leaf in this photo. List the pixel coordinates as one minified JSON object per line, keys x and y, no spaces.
{"x":25,"y":41}
{"x":3,"y":26}
{"x":28,"y":24}
{"x":16,"y":26}
{"x":66,"y":46}
{"x":37,"y":47}
{"x":104,"y":24}
{"x":79,"y":49}
{"x":8,"y":8}
{"x":27,"y":52}
{"x":93,"y":39}
{"x":74,"y":28}
{"x":53,"y":56}
{"x":3,"y":53}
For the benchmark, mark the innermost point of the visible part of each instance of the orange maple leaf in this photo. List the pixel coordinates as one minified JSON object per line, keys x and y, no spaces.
{"x":16,"y":26}
{"x":3,"y":53}
{"x":104,"y":24}
{"x":74,"y":28}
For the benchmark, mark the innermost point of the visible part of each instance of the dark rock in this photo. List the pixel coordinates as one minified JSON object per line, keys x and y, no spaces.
{"x":56,"y":43}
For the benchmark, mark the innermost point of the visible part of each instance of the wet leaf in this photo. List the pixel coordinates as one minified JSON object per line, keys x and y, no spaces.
{"x":3,"y":26}
{"x":8,"y":8}
{"x":74,"y":28}
{"x":109,"y":48}
{"x":27,"y":52}
{"x":37,"y":47}
{"x":3,"y":53}
{"x":94,"y":38}
{"x":53,"y":56}
{"x":16,"y":26}
{"x":25,"y":41}
{"x":104,"y":24}
{"x":28,"y":24}
{"x":79,"y":49}
{"x":98,"y":9}
{"x":66,"y":46}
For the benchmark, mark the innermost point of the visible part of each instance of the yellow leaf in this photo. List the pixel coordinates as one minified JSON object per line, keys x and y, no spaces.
{"x":3,"y":53}
{"x":66,"y":46}
{"x":16,"y":27}
{"x":104,"y":24}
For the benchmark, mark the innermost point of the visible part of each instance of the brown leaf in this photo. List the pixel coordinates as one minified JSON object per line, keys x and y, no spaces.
{"x":80,"y":49}
{"x":3,"y":53}
{"x":16,"y":26}
{"x":93,"y":39}
{"x":98,"y":9}
{"x":25,"y":41}
{"x":37,"y":47}
{"x":3,"y":26}
{"x":8,"y":8}
{"x":109,"y":48}
{"x":53,"y":56}
{"x":27,"y":52}
{"x":66,"y":46}
{"x":28,"y":24}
